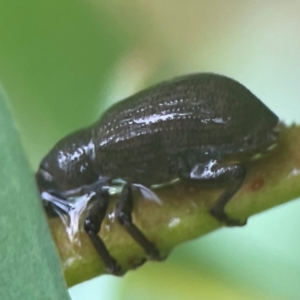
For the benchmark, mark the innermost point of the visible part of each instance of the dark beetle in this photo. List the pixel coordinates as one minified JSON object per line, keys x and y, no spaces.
{"x":200,"y":127}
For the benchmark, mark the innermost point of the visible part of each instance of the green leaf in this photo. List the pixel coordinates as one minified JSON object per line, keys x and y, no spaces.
{"x":29,"y":264}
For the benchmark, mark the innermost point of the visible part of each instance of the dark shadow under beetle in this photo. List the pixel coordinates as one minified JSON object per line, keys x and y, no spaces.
{"x":200,"y":128}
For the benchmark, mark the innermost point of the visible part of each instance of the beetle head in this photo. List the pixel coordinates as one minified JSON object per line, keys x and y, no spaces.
{"x":69,"y":165}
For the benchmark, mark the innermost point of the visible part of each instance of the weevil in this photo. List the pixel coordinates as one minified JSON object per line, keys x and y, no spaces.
{"x":199,"y":128}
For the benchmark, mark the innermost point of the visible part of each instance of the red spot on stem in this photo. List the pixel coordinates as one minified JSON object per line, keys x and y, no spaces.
{"x":257,"y":184}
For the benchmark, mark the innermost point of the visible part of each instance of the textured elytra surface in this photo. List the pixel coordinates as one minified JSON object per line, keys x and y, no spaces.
{"x":179,"y":123}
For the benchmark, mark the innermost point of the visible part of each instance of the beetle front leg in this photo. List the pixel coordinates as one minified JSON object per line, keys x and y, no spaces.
{"x":95,"y":214}
{"x":124,"y":208}
{"x":232,"y":174}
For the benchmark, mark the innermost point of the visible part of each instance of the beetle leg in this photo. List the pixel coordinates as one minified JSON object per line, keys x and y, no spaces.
{"x":232,"y":174}
{"x":124,"y":209}
{"x":95,"y":214}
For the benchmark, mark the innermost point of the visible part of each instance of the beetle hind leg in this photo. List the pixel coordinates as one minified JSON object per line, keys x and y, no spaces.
{"x":92,"y":224}
{"x":124,"y":208}
{"x":218,"y":210}
{"x":232,"y":175}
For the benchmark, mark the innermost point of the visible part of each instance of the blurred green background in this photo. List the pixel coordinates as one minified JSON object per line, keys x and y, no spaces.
{"x":63,"y":62}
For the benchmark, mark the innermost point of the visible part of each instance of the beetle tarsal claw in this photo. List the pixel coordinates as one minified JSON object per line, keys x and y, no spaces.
{"x":229,"y":222}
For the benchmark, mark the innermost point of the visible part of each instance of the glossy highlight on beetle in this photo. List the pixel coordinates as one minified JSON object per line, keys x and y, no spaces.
{"x":201,"y":127}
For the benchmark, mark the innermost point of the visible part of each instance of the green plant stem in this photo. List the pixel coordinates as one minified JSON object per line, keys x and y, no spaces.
{"x":184,"y":212}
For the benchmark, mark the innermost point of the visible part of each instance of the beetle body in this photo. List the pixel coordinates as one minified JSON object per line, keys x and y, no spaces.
{"x":149,"y":137}
{"x":198,"y":127}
